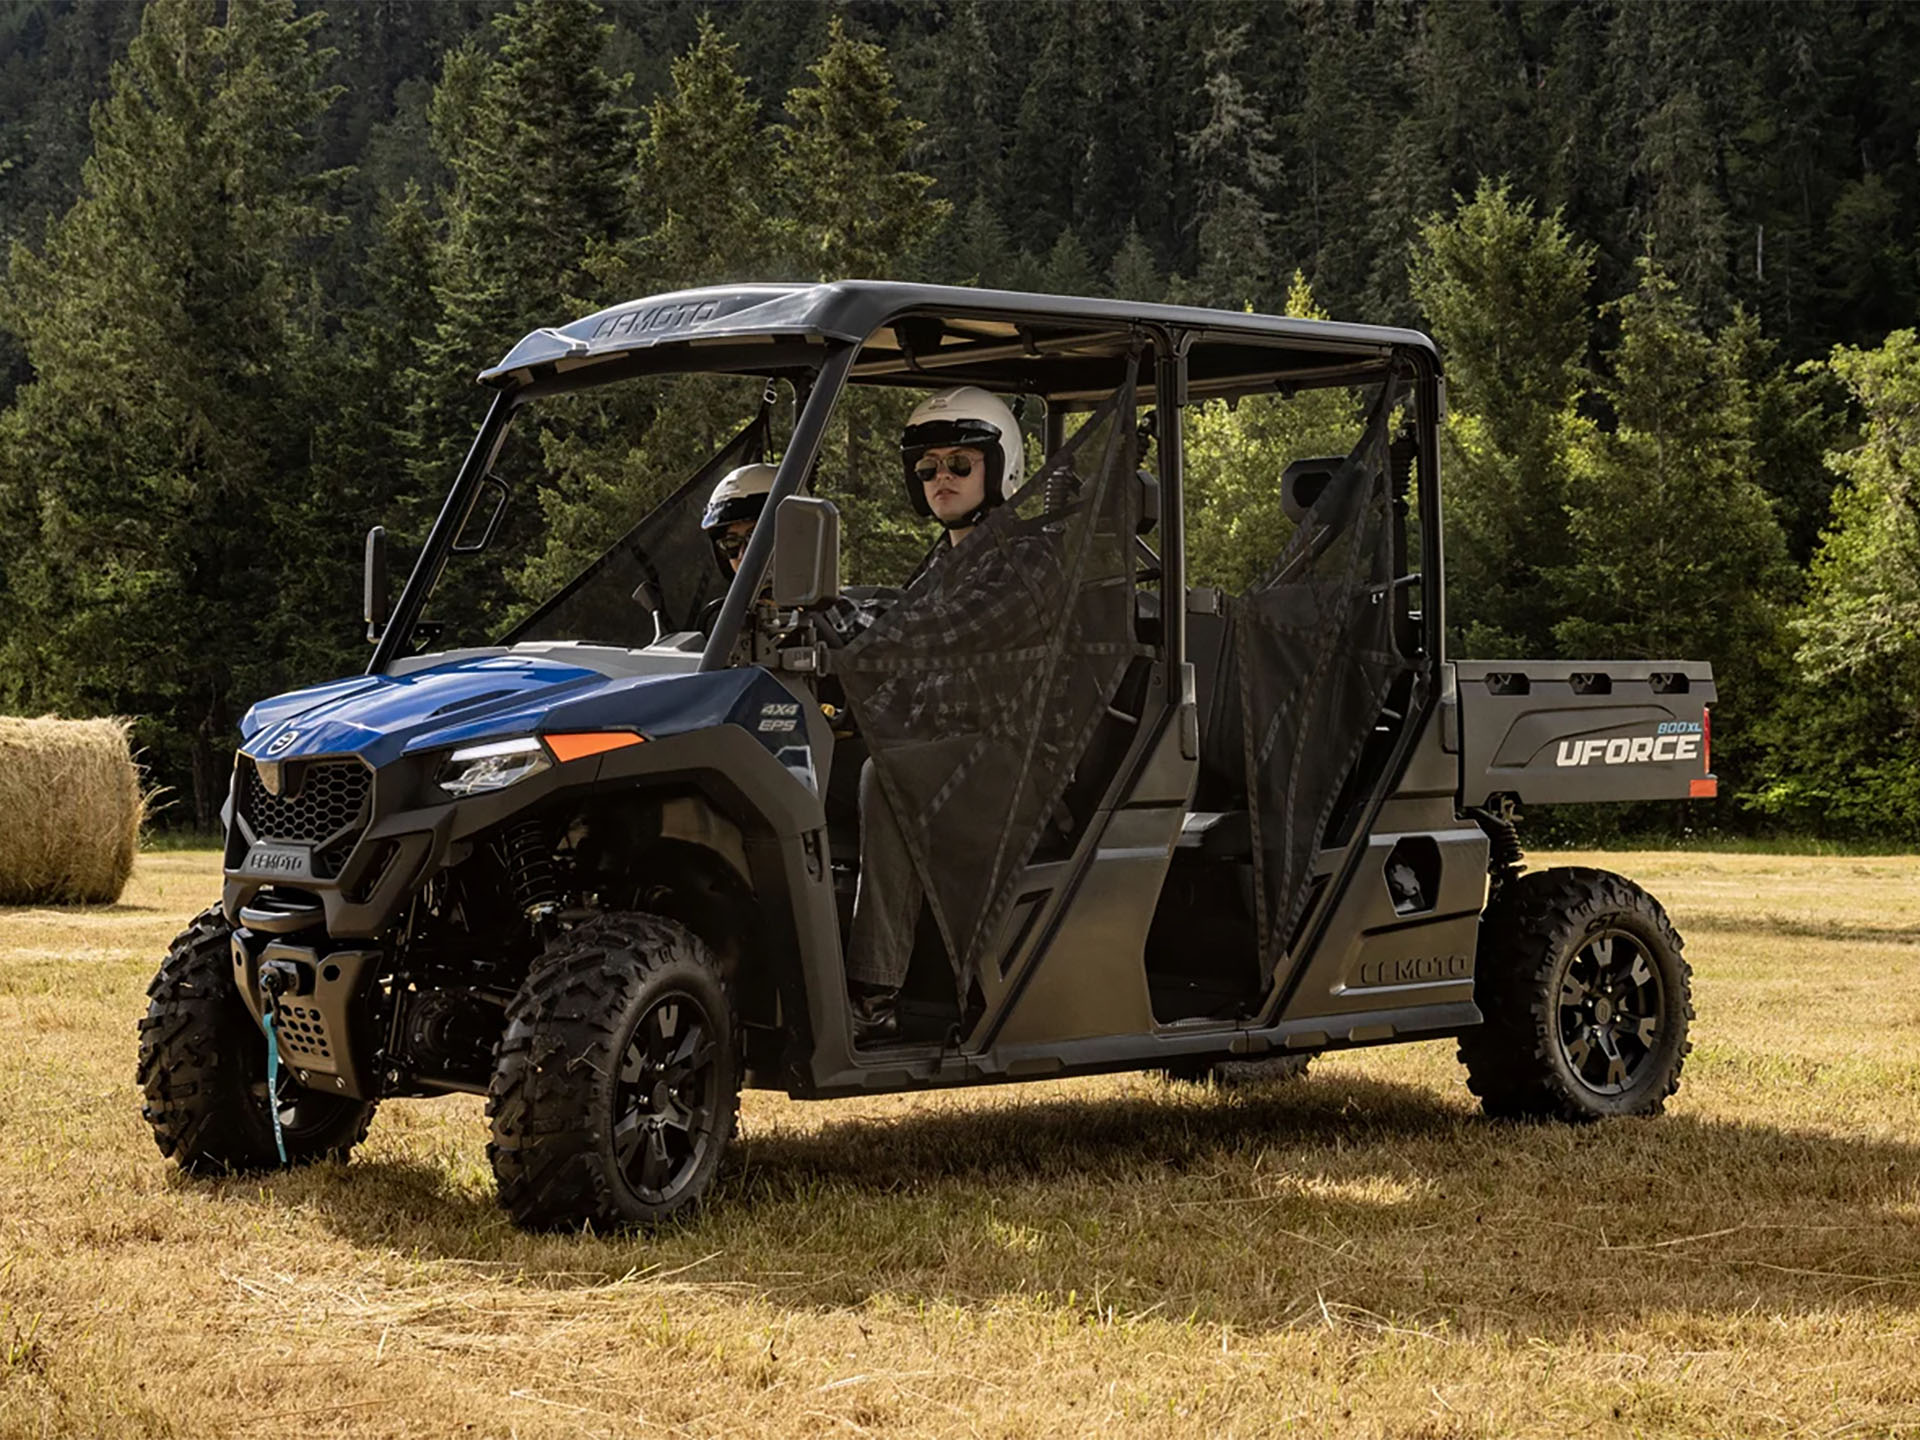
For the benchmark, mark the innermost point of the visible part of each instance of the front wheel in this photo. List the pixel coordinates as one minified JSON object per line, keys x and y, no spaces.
{"x":617,"y":1079}
{"x":1586,"y":997}
{"x":203,"y":1068}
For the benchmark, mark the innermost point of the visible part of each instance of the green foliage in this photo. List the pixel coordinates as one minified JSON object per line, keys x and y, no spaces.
{"x":224,"y":350}
{"x":165,"y":415}
{"x":978,"y":252}
{"x":1505,"y":294}
{"x":1235,"y":454}
{"x":1845,"y":747}
{"x":1134,"y":275}
{"x":857,"y":209}
{"x":706,"y":177}
{"x":706,"y":212}
{"x":1676,"y":549}
{"x":1070,"y":268}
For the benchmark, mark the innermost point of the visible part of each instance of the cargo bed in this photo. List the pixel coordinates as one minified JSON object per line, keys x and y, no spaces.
{"x":1570,"y":731}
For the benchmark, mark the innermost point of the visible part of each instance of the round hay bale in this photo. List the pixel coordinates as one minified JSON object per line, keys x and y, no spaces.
{"x":70,"y":811}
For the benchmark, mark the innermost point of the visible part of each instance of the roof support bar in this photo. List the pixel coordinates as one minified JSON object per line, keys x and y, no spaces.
{"x":809,"y":430}
{"x":1092,"y":343}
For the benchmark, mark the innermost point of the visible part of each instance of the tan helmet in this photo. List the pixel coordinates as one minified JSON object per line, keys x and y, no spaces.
{"x":965,"y":416}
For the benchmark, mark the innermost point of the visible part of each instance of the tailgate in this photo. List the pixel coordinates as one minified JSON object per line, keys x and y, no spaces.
{"x":1573,"y":731}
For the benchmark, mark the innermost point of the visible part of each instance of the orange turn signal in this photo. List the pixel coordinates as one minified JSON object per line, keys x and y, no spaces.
{"x":589,"y":742}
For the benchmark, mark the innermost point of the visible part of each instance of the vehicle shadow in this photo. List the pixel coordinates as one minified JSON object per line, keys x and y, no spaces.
{"x":1334,"y":1197}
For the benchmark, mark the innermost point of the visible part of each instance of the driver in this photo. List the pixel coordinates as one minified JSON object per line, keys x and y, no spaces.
{"x":732,"y":511}
{"x":961,"y":453}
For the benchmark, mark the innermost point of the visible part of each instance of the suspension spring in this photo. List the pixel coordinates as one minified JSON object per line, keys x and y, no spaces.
{"x":1505,"y":858}
{"x":528,"y":859}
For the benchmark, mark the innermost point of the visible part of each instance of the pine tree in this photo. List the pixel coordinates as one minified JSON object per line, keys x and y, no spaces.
{"x":959,"y":80}
{"x":858,"y":210}
{"x":1675,"y":547}
{"x":362,"y":451}
{"x":705,"y":201}
{"x":706,"y":178}
{"x":1846,"y":746}
{"x":1234,"y":167}
{"x":1070,"y":268}
{"x":542,"y":151}
{"x":1121,"y":175}
{"x":160,"y":428}
{"x":1134,"y":275}
{"x":1504,"y":292}
{"x":977,"y":246}
{"x":1044,"y":149}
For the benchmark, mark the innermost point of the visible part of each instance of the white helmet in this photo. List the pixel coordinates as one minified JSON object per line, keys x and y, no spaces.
{"x":967,"y":416}
{"x":740,"y":495}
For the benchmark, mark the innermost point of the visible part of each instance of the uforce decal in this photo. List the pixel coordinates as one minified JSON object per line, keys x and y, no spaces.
{"x":779,"y":719}
{"x":1415,"y":970}
{"x":1673,"y":740}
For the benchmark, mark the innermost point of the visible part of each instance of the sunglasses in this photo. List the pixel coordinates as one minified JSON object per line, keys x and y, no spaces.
{"x":958,"y":466}
{"x":730,"y":545}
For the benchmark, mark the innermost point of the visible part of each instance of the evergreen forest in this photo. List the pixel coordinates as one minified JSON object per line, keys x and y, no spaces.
{"x":258,"y":249}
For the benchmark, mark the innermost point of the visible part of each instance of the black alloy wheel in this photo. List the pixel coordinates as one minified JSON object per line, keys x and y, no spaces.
{"x":1586,"y":1000}
{"x":617,"y":1078}
{"x":664,"y":1098}
{"x":1611,"y":1008}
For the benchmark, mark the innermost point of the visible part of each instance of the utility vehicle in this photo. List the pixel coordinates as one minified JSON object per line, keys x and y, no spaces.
{"x":596,"y":860}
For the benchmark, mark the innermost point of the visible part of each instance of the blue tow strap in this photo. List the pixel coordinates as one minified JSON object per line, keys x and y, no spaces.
{"x":273,"y":1076}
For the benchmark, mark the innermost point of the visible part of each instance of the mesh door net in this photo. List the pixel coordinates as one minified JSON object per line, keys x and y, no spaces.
{"x":1314,"y":658}
{"x":978,"y":691}
{"x":667,"y":548}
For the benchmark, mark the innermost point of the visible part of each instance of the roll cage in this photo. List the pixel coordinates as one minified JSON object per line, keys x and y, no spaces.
{"x":1070,"y":352}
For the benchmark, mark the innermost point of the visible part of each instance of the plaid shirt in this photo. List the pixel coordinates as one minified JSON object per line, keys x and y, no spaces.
{"x":954,"y":656}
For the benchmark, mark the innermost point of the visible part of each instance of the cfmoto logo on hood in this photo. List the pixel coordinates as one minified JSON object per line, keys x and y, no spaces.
{"x":282,"y":741}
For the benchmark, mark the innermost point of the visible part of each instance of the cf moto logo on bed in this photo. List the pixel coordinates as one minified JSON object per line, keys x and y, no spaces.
{"x":277,"y":860}
{"x":1673,"y":740}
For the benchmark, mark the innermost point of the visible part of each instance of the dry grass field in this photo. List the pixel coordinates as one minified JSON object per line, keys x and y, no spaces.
{"x":1356,"y":1255}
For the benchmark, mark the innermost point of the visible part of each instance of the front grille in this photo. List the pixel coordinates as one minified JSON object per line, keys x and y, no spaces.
{"x":320,"y":800}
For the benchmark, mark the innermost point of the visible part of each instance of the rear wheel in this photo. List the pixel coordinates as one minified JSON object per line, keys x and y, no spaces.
{"x":1586,"y":996}
{"x":618,"y":1078}
{"x":203,"y":1068}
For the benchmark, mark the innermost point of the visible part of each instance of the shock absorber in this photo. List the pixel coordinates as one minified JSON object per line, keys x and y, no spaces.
{"x":528,"y":859}
{"x":1505,"y":858}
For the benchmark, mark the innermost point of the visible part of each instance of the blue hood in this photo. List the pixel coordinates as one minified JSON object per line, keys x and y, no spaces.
{"x":472,"y":699}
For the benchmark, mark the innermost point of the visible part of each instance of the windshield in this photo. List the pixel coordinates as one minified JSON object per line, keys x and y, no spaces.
{"x":589,"y":527}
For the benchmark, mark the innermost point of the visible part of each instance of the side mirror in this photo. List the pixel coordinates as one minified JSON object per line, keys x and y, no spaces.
{"x":375,"y":589}
{"x":806,"y":552}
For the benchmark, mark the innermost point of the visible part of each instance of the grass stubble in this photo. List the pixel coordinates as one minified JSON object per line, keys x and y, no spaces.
{"x":1357,"y":1254}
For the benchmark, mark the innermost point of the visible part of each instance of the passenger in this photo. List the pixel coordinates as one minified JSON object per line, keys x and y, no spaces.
{"x":962,"y":456}
{"x":732,"y":511}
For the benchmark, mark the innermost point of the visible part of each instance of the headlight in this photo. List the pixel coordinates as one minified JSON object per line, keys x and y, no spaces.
{"x":480,"y":768}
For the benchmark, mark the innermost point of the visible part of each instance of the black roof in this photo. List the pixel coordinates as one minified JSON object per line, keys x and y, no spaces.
{"x":1066,"y":347}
